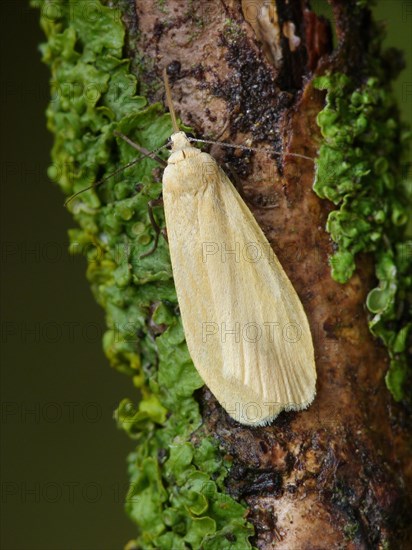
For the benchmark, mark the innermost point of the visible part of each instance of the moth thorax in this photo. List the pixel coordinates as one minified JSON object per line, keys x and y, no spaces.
{"x":182,"y":149}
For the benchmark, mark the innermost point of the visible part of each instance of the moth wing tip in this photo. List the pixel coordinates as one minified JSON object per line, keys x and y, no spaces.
{"x":303,"y":405}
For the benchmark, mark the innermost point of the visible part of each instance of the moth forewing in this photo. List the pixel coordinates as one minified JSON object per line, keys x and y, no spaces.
{"x":245,"y":326}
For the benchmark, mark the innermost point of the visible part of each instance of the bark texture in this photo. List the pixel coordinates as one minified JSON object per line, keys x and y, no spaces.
{"x":337,"y":475}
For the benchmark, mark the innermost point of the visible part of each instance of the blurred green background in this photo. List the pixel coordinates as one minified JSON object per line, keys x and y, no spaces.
{"x":62,"y":459}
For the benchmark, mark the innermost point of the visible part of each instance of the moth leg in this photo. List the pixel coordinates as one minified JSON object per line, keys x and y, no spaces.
{"x":158,"y":230}
{"x":164,"y":234}
{"x":143,"y":150}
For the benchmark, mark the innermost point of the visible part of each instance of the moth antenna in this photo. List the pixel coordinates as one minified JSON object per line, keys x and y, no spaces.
{"x":169,"y":101}
{"x":128,"y":165}
{"x":246,"y":148}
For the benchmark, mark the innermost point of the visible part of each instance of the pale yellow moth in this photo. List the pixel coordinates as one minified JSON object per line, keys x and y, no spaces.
{"x":245,"y":327}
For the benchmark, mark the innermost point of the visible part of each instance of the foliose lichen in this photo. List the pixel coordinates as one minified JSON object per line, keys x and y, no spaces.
{"x":177,"y":495}
{"x":362,"y":168}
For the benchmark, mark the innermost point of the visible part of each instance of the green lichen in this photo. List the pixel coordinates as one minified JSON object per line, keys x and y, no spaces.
{"x":232,"y":30}
{"x":162,"y":6}
{"x":177,"y":495}
{"x":360,"y":168}
{"x":350,"y":530}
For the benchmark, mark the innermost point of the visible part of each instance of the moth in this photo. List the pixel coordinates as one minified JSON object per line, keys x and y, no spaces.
{"x":245,"y":326}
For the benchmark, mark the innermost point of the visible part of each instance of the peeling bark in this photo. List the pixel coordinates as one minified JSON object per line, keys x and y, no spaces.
{"x":337,"y":475}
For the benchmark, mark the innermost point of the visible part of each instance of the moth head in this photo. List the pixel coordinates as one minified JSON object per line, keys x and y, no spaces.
{"x":179,"y":141}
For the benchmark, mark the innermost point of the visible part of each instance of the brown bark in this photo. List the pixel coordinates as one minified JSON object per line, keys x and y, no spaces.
{"x":311,"y":477}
